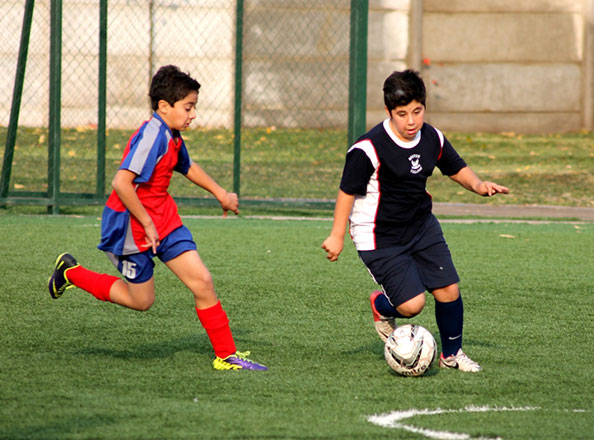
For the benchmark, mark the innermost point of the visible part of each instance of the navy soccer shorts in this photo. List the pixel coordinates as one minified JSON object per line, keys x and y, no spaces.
{"x":424,"y":263}
{"x":138,"y":268}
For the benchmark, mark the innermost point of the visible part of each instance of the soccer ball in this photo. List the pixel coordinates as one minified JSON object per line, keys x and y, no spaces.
{"x":410,"y":350}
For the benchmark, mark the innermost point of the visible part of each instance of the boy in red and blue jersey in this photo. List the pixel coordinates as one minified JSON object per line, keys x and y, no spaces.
{"x":140,"y":221}
{"x":384,"y":200}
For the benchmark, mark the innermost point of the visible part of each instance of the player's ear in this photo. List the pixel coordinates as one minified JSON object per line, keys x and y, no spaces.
{"x":388,"y":112}
{"x":163,"y":106}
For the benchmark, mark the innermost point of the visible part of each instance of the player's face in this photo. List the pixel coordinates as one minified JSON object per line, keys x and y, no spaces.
{"x":407,"y":120}
{"x":181,"y":114}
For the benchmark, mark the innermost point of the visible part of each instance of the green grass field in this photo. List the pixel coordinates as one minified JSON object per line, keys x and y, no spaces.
{"x":307,"y":164}
{"x":77,"y":368}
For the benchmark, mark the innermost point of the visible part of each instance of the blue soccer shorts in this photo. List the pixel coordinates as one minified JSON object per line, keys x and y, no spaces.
{"x":138,"y":268}
{"x":424,"y":263}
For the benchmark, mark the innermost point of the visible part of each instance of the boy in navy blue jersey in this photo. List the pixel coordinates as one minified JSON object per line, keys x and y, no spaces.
{"x":384,"y":199}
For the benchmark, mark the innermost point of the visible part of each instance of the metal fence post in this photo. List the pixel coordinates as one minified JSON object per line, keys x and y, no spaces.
{"x":16,"y":99}
{"x":55,"y":94}
{"x":237,"y":99}
{"x":358,"y":70}
{"x":100,"y":183}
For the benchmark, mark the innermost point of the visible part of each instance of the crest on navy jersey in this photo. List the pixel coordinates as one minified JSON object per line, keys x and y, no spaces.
{"x":414,"y":162}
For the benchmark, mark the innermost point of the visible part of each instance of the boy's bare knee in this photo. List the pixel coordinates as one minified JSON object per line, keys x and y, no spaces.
{"x":144,"y":305}
{"x":447,"y":294}
{"x":412,"y":307}
{"x":206,"y":279}
{"x":409,"y":312}
{"x":202,"y":283}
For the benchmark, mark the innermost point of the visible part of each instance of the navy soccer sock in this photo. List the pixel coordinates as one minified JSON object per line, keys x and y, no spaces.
{"x":450,"y":320}
{"x":384,"y":308}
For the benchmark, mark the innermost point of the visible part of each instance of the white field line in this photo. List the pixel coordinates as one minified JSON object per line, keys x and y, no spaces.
{"x":393,"y":419}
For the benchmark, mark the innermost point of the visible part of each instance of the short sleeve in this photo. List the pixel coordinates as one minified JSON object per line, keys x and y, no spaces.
{"x":449,"y":162}
{"x":145,"y":150}
{"x":361,"y":162}
{"x":183,"y":160}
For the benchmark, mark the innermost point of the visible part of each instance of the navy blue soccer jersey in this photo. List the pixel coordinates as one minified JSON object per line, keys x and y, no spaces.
{"x":388,"y":178}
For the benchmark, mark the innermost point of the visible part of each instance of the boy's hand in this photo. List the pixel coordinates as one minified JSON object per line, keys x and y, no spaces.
{"x":489,"y":189}
{"x":469,"y":180}
{"x":333,"y":246}
{"x":151,"y":237}
{"x":230,"y":202}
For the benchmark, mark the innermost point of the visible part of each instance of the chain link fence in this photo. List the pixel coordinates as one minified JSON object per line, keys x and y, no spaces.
{"x":289,"y":88}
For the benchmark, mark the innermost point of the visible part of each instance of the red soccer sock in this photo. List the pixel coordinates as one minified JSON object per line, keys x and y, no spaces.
{"x":215,"y":322}
{"x":97,"y":284}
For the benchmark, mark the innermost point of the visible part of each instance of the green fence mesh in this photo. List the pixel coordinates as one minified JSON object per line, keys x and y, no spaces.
{"x":293,"y":104}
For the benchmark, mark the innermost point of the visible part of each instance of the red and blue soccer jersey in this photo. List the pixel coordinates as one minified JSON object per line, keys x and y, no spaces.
{"x":388,"y":178}
{"x":152,"y":153}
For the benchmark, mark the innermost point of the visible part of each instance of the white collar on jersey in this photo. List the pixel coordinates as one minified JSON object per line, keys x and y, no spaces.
{"x":398,"y":141}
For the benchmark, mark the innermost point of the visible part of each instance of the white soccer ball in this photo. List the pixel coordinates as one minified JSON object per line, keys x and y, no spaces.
{"x":410,"y":350}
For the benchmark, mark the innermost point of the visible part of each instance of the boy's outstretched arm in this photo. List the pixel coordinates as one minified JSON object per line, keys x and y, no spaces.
{"x":334,"y":244}
{"x":228,"y":201}
{"x":469,"y":180}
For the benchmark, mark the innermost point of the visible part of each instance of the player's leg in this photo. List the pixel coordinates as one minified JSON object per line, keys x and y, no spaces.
{"x":441,"y":279}
{"x":190,"y":269}
{"x":403,"y":293}
{"x":180,"y":256}
{"x":383,"y":313}
{"x":380,"y":303}
{"x":138,"y":291}
{"x":138,"y":295}
{"x":68,"y":273}
{"x":449,"y":316}
{"x":413,"y":306}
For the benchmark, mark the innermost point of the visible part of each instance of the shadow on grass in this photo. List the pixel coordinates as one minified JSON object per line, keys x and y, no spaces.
{"x":157,"y":350}
{"x":195,"y":344}
{"x":67,"y":427}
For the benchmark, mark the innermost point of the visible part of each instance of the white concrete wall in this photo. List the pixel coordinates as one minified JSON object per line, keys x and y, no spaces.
{"x":505,"y":65}
{"x":491,"y":65}
{"x":387,"y":50}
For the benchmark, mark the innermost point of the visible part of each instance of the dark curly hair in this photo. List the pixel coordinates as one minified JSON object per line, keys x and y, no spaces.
{"x":401,"y":88}
{"x":171,"y":85}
